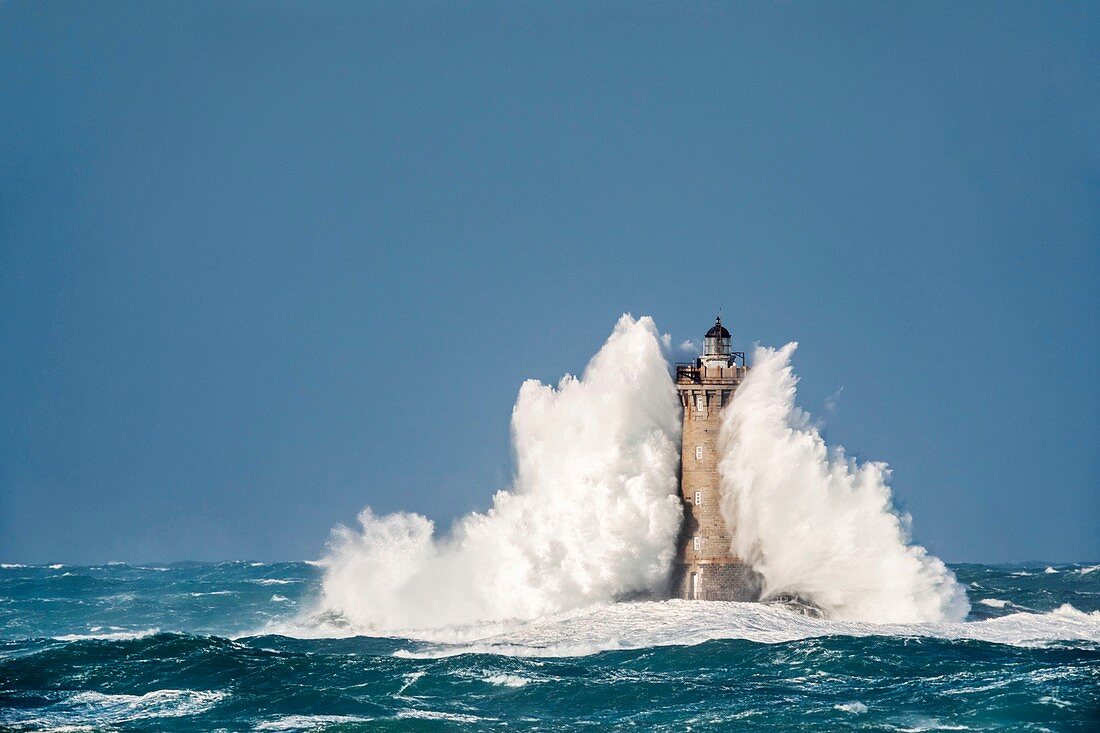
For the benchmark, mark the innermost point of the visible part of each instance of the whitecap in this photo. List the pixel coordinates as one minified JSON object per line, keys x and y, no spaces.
{"x":994,"y":602}
{"x":927,"y":724}
{"x":507,"y":680}
{"x":439,"y":715}
{"x":308,"y":722}
{"x":852,"y":707}
{"x":1069,"y":611}
{"x":111,"y":635}
{"x":156,"y":704}
{"x":99,"y":710}
{"x":409,"y":680}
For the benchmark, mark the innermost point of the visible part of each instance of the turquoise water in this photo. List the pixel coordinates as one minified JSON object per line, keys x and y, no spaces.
{"x":233,"y":646}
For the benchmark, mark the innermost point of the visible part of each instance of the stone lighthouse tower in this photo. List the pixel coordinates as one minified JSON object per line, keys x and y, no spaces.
{"x":706,"y":568}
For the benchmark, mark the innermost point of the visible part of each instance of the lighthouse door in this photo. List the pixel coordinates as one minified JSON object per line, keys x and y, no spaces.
{"x":693,"y":591}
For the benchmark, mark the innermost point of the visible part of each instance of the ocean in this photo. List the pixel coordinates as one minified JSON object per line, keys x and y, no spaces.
{"x":244,"y":646}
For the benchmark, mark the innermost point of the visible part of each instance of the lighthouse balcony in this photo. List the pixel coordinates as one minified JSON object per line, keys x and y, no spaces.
{"x":687,"y":372}
{"x":695,"y":372}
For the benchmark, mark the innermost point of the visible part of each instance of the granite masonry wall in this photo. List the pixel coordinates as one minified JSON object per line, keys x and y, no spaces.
{"x":706,"y":568}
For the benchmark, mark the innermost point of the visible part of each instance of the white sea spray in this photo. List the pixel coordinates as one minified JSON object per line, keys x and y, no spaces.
{"x":591,"y":515}
{"x":815,"y":523}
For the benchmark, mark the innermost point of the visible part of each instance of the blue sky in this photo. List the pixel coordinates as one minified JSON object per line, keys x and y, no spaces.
{"x":264,"y":264}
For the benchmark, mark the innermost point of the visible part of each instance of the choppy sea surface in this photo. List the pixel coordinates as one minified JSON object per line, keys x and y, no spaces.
{"x":233,"y":646}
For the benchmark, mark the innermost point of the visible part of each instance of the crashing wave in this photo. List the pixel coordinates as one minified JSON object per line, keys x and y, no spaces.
{"x":815,"y":524}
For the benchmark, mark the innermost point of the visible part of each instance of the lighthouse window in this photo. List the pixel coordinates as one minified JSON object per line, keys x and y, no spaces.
{"x":698,"y":452}
{"x":698,"y":498}
{"x":700,"y":403}
{"x":696,"y":543}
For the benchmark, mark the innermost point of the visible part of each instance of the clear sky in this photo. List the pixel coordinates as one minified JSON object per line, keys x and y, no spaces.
{"x":262,"y":264}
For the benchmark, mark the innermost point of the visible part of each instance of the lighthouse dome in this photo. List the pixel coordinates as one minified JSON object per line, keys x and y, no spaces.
{"x":718,"y":331}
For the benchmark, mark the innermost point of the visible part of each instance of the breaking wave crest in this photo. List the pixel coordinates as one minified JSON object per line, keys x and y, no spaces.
{"x":642,"y":625}
{"x":591,"y":516}
{"x":814,"y":523}
{"x":73,"y":710}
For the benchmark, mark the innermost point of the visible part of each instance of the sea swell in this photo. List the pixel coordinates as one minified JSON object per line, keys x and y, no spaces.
{"x":243,"y":662}
{"x":278,"y":683}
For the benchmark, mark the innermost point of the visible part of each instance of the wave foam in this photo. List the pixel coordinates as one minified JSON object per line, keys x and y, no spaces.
{"x":640,"y":625}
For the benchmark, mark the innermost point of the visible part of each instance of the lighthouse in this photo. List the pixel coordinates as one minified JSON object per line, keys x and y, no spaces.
{"x":706,"y":568}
